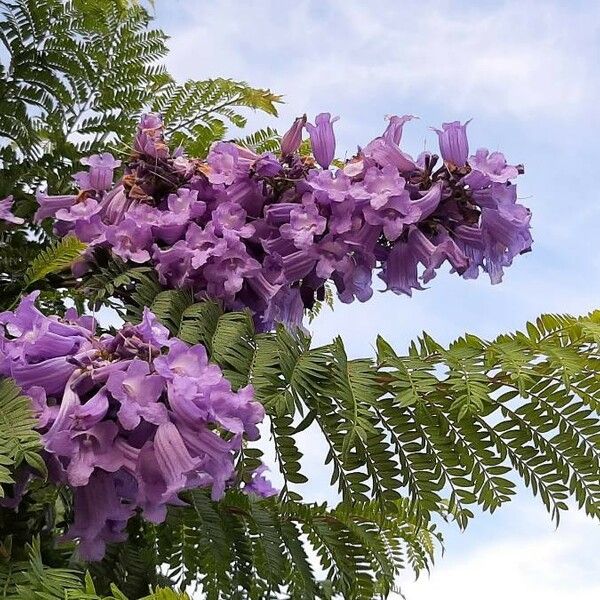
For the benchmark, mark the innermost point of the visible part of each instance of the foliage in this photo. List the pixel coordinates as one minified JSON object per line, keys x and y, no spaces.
{"x":19,"y":442}
{"x":446,"y":425}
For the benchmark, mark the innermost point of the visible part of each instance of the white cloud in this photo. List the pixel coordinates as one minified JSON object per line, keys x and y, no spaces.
{"x":526,"y":561}
{"x":517,"y":58}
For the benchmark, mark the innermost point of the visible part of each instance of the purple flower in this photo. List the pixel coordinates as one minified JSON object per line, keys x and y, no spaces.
{"x":454,"y":145}
{"x":149,"y":139}
{"x":6,"y":212}
{"x":489,"y":167}
{"x":267,"y":165}
{"x":173,"y":458}
{"x":225,"y":274}
{"x":50,"y":205}
{"x":305,"y":223}
{"x":286,"y":307}
{"x":86,"y":450}
{"x":401,"y":266}
{"x":393,"y":216}
{"x":382,"y":184}
{"x":322,"y":138}
{"x":124,"y":425}
{"x":223,"y":160}
{"x":51,"y":374}
{"x":385,"y":153}
{"x":114,"y":205}
{"x":130,"y":240}
{"x":259,"y":485}
{"x":230,"y":216}
{"x":100,"y":516}
{"x":329,"y":187}
{"x":100,"y":176}
{"x":82,"y":210}
{"x":170,"y":225}
{"x":393,"y":131}
{"x":138,"y":392}
{"x":173,"y":264}
{"x":44,"y":413}
{"x":185,"y":361}
{"x":505,"y":231}
{"x":152,"y":331}
{"x":204,"y":243}
{"x":354,"y":281}
{"x":292,"y":138}
{"x":266,"y":232}
{"x":330,"y":254}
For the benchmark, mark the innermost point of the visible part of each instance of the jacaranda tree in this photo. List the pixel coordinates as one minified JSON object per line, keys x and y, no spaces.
{"x":130,"y":463}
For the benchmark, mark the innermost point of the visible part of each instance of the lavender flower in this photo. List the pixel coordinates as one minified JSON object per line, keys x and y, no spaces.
{"x":100,"y":176}
{"x":130,"y":240}
{"x":137,"y":418}
{"x":454,"y":145}
{"x":6,"y":212}
{"x":259,"y":485}
{"x":292,"y":138}
{"x":322,"y":138}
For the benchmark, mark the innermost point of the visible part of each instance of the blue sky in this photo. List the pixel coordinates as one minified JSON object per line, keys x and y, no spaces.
{"x":527,"y":73}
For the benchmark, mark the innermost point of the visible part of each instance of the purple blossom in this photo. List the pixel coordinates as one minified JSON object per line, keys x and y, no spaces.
{"x":393,"y":131}
{"x":354,"y":281}
{"x":86,"y":450}
{"x":149,"y":139}
{"x":292,"y":138}
{"x":454,"y":145}
{"x":50,"y":205}
{"x":305,"y":223}
{"x":259,"y":485}
{"x":173,"y":264}
{"x":393,"y":216}
{"x":322,"y":138}
{"x":83,"y":209}
{"x":225,"y":274}
{"x":267,"y":165}
{"x":138,"y":392}
{"x":152,"y":331}
{"x":381,"y":185}
{"x":203,"y":243}
{"x":387,"y":154}
{"x":329,"y":187}
{"x":330,"y":254}
{"x":100,"y":516}
{"x":259,"y":231}
{"x":173,"y":457}
{"x":130,"y":240}
{"x":222,"y":161}
{"x":489,"y":167}
{"x":6,"y":212}
{"x":229,"y":216}
{"x":100,"y":176}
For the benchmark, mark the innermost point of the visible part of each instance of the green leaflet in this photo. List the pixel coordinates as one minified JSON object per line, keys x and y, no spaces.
{"x":199,"y":112}
{"x":254,"y":547}
{"x":450,"y":427}
{"x":19,"y":443}
{"x":55,"y":258}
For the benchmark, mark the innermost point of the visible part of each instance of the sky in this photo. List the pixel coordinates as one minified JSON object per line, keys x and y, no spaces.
{"x":528,"y":75}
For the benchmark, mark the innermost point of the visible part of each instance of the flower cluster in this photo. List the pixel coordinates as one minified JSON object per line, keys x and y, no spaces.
{"x":127,"y":420}
{"x":266,"y":232}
